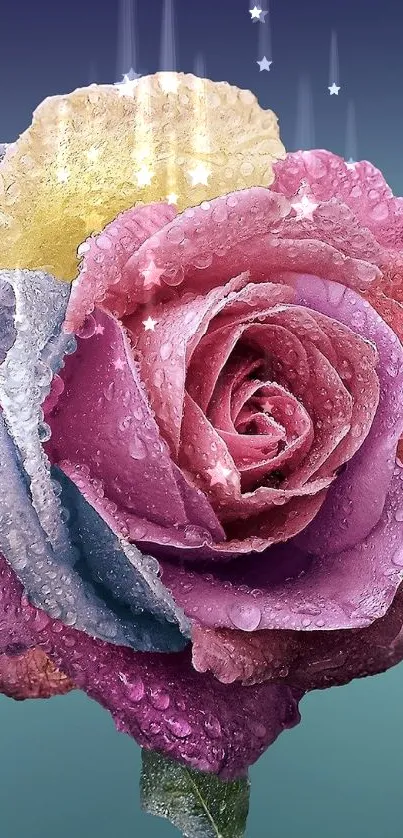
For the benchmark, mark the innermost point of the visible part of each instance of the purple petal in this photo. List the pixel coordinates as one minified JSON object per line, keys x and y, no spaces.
{"x":288,"y":589}
{"x":160,"y":700}
{"x":309,"y":660}
{"x":355,"y":501}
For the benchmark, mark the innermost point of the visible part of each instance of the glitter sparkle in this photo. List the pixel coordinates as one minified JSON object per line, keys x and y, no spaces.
{"x":304,"y":207}
{"x":219,"y":474}
{"x":152,"y":274}
{"x":200,"y":175}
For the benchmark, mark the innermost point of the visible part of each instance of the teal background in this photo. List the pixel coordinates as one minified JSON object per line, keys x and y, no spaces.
{"x":65,"y":772}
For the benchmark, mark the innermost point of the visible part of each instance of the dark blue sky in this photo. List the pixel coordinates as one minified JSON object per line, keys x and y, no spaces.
{"x":48,"y":47}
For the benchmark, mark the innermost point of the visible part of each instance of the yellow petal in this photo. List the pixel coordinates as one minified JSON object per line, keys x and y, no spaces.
{"x":92,"y":153}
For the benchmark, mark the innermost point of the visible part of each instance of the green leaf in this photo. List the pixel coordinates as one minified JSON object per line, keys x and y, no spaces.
{"x":200,"y":805}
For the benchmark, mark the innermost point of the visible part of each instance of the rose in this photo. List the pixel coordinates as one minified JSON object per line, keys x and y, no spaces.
{"x":269,"y":273}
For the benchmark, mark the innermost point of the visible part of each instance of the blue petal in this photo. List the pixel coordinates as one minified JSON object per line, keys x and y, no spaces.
{"x":7,"y":310}
{"x":77,"y":572}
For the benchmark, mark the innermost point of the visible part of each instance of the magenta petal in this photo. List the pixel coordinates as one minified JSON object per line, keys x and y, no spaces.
{"x":356,"y":499}
{"x":158,"y":699}
{"x":103,"y":421}
{"x":104,"y":256}
{"x":291,"y":590}
{"x":307,"y":659}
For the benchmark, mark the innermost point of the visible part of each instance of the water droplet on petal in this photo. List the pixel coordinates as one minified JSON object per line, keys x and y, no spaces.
{"x":135,"y":689}
{"x":160,"y":699}
{"x":245,"y":616}
{"x":166,"y":350}
{"x":88,"y":328}
{"x":179,"y":727}
{"x":213,"y":727}
{"x":137,"y":449}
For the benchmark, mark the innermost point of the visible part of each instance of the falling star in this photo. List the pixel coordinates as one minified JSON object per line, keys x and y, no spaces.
{"x":127,"y":39}
{"x":200,"y":66}
{"x":168,"y":46}
{"x":264,"y":41}
{"x":305,"y":128}
{"x":351,"y":134}
{"x":128,"y":84}
{"x":257,"y":14}
{"x":149,"y":324}
{"x":264,"y":64}
{"x":200,"y":175}
{"x":334,"y":72}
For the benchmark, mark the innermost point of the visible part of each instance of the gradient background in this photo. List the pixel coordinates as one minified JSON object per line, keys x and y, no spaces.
{"x":64,"y":770}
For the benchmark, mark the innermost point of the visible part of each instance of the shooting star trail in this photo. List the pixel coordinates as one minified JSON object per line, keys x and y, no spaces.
{"x":168,"y":39}
{"x":305,"y":127}
{"x":334,"y":69}
{"x":127,"y":56}
{"x":351,"y":134}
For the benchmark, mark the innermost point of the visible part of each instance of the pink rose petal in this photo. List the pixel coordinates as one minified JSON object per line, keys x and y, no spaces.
{"x":205,"y":252}
{"x":164,"y":352}
{"x":103,"y":421}
{"x":105,"y":254}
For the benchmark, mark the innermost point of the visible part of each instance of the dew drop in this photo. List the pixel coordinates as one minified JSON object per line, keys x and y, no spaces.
{"x":135,"y":689}
{"x":88,"y":328}
{"x":166,"y":350}
{"x":160,"y":699}
{"x":245,"y":616}
{"x":137,"y":449}
{"x":213,"y":727}
{"x":179,"y":727}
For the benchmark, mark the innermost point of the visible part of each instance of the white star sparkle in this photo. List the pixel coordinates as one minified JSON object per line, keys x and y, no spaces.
{"x":152,"y":274}
{"x":200,"y":175}
{"x":119,"y":364}
{"x":172,"y":198}
{"x":93,"y":154}
{"x":149,"y":324}
{"x":334,"y":89}
{"x":144,"y":176}
{"x":219,"y":474}
{"x":63,"y":175}
{"x":304,"y":207}
{"x":128,"y":84}
{"x":257,"y":14}
{"x":168,"y":82}
{"x":264,"y":64}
